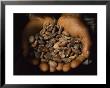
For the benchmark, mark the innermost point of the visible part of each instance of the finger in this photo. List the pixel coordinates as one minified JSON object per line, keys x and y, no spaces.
{"x":75,"y":63}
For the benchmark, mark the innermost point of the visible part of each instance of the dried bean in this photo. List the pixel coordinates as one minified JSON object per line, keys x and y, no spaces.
{"x":52,"y":63}
{"x":37,"y":54}
{"x":65,"y":33}
{"x":31,"y":39}
{"x":36,"y":36}
{"x":34,"y":44}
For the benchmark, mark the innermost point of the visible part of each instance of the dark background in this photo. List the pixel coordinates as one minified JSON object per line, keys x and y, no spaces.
{"x":23,"y":67}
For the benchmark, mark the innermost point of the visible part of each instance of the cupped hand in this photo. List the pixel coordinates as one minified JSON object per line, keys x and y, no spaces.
{"x":34,"y":25}
{"x":75,"y":27}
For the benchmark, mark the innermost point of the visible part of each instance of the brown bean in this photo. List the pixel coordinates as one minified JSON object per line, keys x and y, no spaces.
{"x":65,"y":33}
{"x":56,"y":45}
{"x":62,"y":55}
{"x":37,"y":54}
{"x":72,"y":53}
{"x":52,"y":63}
{"x":66,"y":67}
{"x":47,"y":33}
{"x":36,"y":36}
{"x":42,"y":31}
{"x":44,"y":67}
{"x":34,"y":44}
{"x":73,"y":57}
{"x":63,"y":43}
{"x":56,"y":58}
{"x":31,"y":39}
{"x":68,"y":52}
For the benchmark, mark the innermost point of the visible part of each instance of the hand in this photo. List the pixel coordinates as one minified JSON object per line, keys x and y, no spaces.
{"x":34,"y":25}
{"x":75,"y":27}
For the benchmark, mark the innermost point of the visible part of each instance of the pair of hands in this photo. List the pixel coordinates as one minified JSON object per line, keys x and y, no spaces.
{"x":70,"y":22}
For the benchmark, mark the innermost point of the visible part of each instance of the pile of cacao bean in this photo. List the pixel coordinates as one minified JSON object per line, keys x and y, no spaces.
{"x":53,"y":47}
